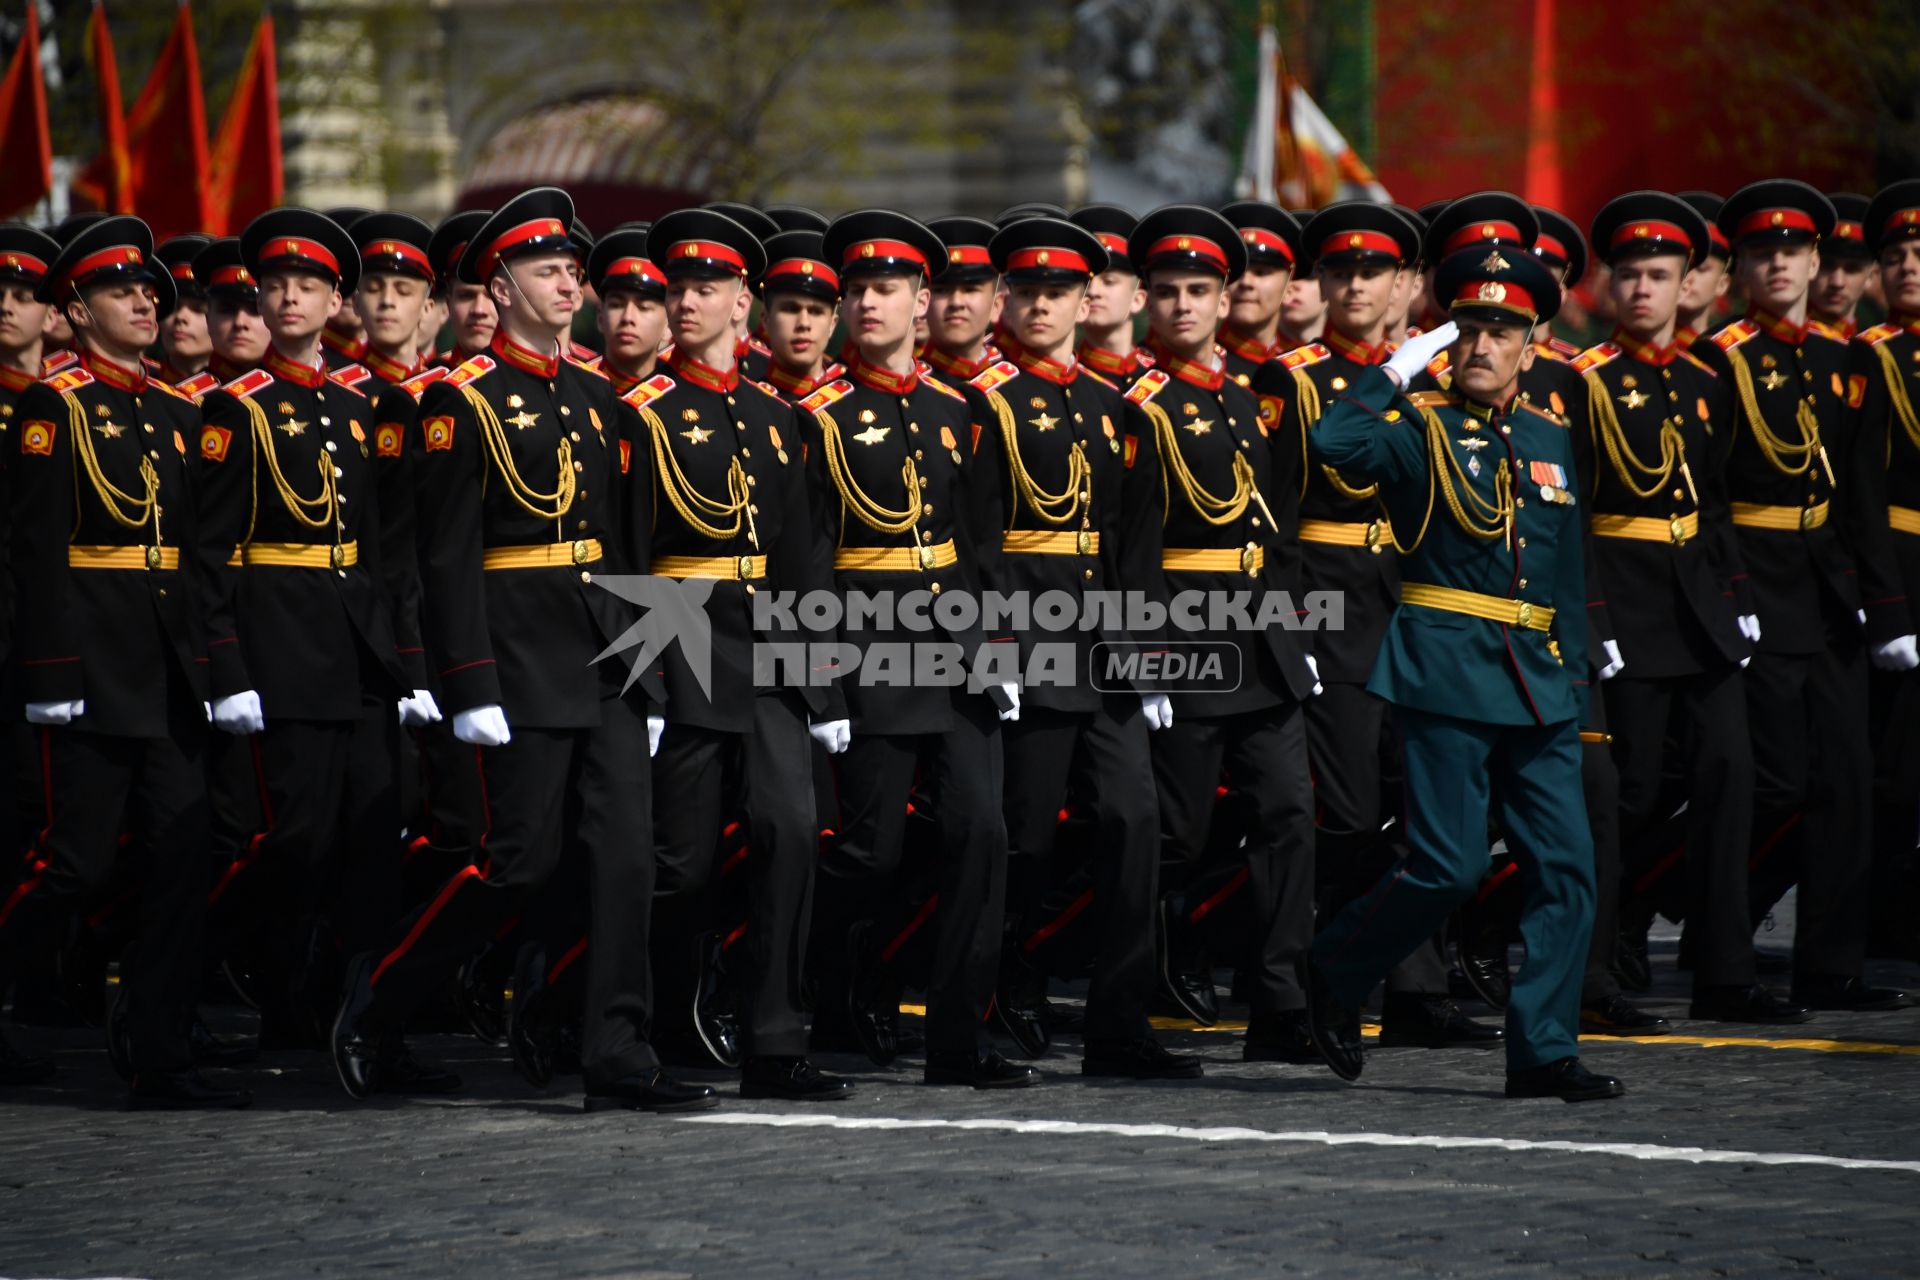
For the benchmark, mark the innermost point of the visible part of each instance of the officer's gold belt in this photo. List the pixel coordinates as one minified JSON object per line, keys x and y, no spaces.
{"x":1341,"y":533}
{"x":1903,"y":519}
{"x":900,"y":559}
{"x":1049,"y":542}
{"x":1514,"y":613}
{"x":731,"y":568}
{"x":1679,"y":530}
{"x":123,"y":557}
{"x":294,"y":555}
{"x":1758,"y":515}
{"x":545,"y":555}
{"x":1247,"y":559}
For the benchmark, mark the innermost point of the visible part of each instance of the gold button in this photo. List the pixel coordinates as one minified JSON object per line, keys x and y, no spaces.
{"x":927,"y":511}
{"x":583,"y":524}
{"x":147,"y":426}
{"x":1523,"y":542}
{"x":919,"y":454}
{"x":729,"y":399}
{"x":1077,"y":417}
{"x":745,"y":452}
{"x":1519,"y":502}
{"x":1523,"y":582}
{"x":752,"y":481}
{"x":574,"y":436}
{"x":749,"y":588}
{"x":1524,"y":614}
{"x":566,"y":409}
{"x":914,"y":427}
{"x":1676,"y":494}
{"x":933,"y":588}
{"x":739,"y":426}
{"x":753,"y":508}
{"x":1087,"y":574}
{"x":579,"y":466}
{"x":163,"y":591}
{"x":1673,"y":395}
{"x":581,"y":494}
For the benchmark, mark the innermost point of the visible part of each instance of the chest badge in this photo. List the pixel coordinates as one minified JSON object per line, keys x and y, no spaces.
{"x":1634,"y":399}
{"x":1774,"y":380}
{"x":1045,"y":422}
{"x":109,"y":430}
{"x":1199,"y":426}
{"x":872,"y":435}
{"x":292,"y":426}
{"x":696,"y":435}
{"x":1473,"y":465}
{"x":523,"y":419}
{"x":515,"y":401}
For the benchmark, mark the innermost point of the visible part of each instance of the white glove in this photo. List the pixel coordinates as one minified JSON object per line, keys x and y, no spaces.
{"x":239,"y":713}
{"x":1750,"y":626}
{"x":55,"y":712}
{"x":482,"y":726}
{"x":656,"y":725}
{"x":1159,"y":709}
{"x":208,"y":708}
{"x":1744,"y":662}
{"x":1313,"y":668}
{"x":1897,"y":654}
{"x":834,"y":735}
{"x":1013,"y":695}
{"x":419,"y":709}
{"x":1863,"y":616}
{"x":1614,"y":664}
{"x":1414,"y":353}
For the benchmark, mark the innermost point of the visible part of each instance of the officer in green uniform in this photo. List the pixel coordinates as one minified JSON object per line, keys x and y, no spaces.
{"x":1484,"y":662}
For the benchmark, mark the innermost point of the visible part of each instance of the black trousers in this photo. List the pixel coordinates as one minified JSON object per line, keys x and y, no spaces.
{"x":1264,"y":754}
{"x":1102,"y":760}
{"x":1895,"y":725}
{"x":1600,"y":787}
{"x":96,"y":786}
{"x":961,"y":769}
{"x":1349,"y":747}
{"x":1813,"y":773}
{"x":550,"y":794}
{"x":1704,"y":716}
{"x":767,"y":775}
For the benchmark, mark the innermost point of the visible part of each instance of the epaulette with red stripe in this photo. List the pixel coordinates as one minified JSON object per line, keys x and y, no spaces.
{"x":350,"y":375}
{"x":69,"y":379}
{"x":1594,"y":357}
{"x":248,"y":383}
{"x":199,"y":384}
{"x":994,"y":375}
{"x":417,"y":385}
{"x":1148,"y":385}
{"x":1439,"y":365}
{"x":169,"y":389}
{"x":941,"y":387}
{"x":589,"y":366}
{"x":651,"y":389}
{"x":1300,"y":357}
{"x":478,"y":367}
{"x":1699,"y":364}
{"x":1100,"y":378}
{"x":57,"y":361}
{"x":1562,"y":348}
{"x":826,"y":395}
{"x":580,"y":353}
{"x":1734,"y":333}
{"x":1878,"y":334}
{"x":767,"y":387}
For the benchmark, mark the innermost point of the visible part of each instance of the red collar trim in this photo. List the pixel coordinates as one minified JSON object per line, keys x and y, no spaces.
{"x":1102,"y":361}
{"x":225,"y":369}
{"x":356,"y":351}
{"x":800,"y":386}
{"x":389,"y":370}
{"x":16,"y":379}
{"x":1206,"y":377}
{"x":1353,"y":349}
{"x":134,"y":380}
{"x":1685,"y":337}
{"x":1785,"y":330}
{"x":292,"y":370}
{"x":1058,"y":372}
{"x":1646,"y":352}
{"x":879,"y":379}
{"x":702,"y":375}
{"x":525,"y":359}
{"x":1910,"y":323}
{"x":954,"y":366}
{"x":1841,"y":332}
{"x":1248,"y":348}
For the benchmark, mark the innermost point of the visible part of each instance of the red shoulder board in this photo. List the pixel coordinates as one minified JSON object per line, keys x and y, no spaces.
{"x":581,"y":354}
{"x":754,"y":344}
{"x":168,"y":388}
{"x":1878,"y":334}
{"x":199,"y":384}
{"x":417,"y":385}
{"x":1699,"y":364}
{"x":589,"y":366}
{"x":350,"y":375}
{"x":1099,"y":377}
{"x":70,"y":380}
{"x":1562,"y":348}
{"x":1439,"y":364}
{"x":1299,"y":356}
{"x":993,"y":375}
{"x":57,"y":361}
{"x":767,"y":387}
{"x":833,"y":371}
{"x":826,"y":395}
{"x":248,"y":383}
{"x":1147,"y":386}
{"x":941,"y":387}
{"x":652,"y":389}
{"x":1594,"y":357}
{"x":474,"y":368}
{"x":1734,"y":334}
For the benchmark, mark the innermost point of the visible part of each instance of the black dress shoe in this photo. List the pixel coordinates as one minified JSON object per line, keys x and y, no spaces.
{"x":18,"y":1068}
{"x":1433,"y":1022}
{"x":1145,"y":1059}
{"x":480,"y":1002}
{"x":1335,"y":1029}
{"x":873,"y":1005}
{"x":396,"y":1070}
{"x":986,"y":1070}
{"x":183,"y":1090}
{"x":1280,"y":1037}
{"x":210,"y":1050}
{"x":650,"y":1090}
{"x":1566,"y":1080}
{"x":1616,"y":1015}
{"x":1186,"y":981}
{"x":533,"y":1034}
{"x":1020,"y":1003}
{"x":713,"y":1016}
{"x":1853,"y":995}
{"x":114,"y":1019}
{"x":792,"y":1078}
{"x":354,"y":1044}
{"x":1745,"y":1004}
{"x":1483,"y":959}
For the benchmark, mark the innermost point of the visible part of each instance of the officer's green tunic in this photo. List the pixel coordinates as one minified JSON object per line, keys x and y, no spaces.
{"x":1487,"y":712}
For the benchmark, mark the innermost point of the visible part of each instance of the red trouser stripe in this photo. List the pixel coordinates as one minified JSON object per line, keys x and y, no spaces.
{"x":738,"y":932}
{"x":1768,"y":845}
{"x":1659,"y":869}
{"x":20,"y":892}
{"x":1494,"y":880}
{"x":426,"y":918}
{"x":920,"y":917}
{"x":1059,"y":922}
{"x":1225,"y":891}
{"x":574,"y":952}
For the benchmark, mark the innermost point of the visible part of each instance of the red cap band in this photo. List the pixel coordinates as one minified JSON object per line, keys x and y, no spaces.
{"x":881,"y":249}
{"x":1261,"y":238}
{"x":1197,"y":245}
{"x":302,"y":248}
{"x":1718,"y":239}
{"x":633,"y":269}
{"x":1902,"y":218}
{"x":1361,"y":242}
{"x":969,"y":255}
{"x":804,"y":269}
{"x":181,"y":270}
{"x":122,"y":255}
{"x":1547,"y":246}
{"x":710,"y":250}
{"x":17,"y":261}
{"x":1645,"y":229}
{"x":234,"y":275}
{"x":1774,"y":220}
{"x":400,"y":249}
{"x":1849,"y":231}
{"x":514,"y":237}
{"x":1482,"y":233}
{"x":1051,"y":259}
{"x":1495,"y":293}
{"x":1116,"y":245}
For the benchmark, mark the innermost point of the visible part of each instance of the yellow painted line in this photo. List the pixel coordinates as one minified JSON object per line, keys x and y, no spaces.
{"x":1230,"y":1026}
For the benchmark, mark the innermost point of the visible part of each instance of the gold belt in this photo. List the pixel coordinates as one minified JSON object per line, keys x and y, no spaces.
{"x":1758,"y":515}
{"x":1045,"y":542}
{"x":731,"y":568}
{"x":1903,"y":519}
{"x":123,"y":557}
{"x":1340,"y":533}
{"x":901,"y":559}
{"x":1648,"y":528}
{"x":1248,"y":559}
{"x":1514,"y":613}
{"x":294,"y":555}
{"x":546,"y":555}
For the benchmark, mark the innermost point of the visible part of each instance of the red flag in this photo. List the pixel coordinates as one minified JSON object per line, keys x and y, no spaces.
{"x":107,"y":183}
{"x":245,"y":178}
{"x":26,"y":151}
{"x":167,"y":138}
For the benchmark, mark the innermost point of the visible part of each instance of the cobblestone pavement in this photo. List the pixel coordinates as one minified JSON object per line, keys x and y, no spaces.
{"x":503,"y":1183}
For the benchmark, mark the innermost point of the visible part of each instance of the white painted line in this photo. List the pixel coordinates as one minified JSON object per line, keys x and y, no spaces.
{"x":1437,"y":1142}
